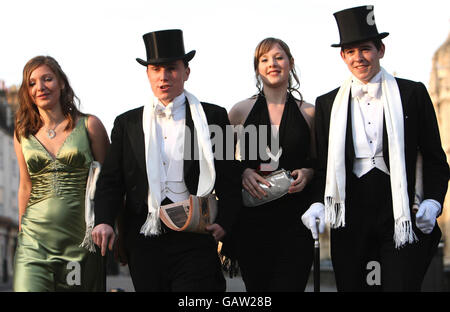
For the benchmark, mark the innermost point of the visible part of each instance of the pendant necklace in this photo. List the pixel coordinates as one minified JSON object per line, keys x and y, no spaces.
{"x":51,"y":133}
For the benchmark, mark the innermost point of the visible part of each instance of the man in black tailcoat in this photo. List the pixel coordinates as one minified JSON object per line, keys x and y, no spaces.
{"x":372,"y":133}
{"x":161,"y":153}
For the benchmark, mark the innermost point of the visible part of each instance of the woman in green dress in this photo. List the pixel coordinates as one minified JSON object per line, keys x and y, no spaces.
{"x":55,"y":144}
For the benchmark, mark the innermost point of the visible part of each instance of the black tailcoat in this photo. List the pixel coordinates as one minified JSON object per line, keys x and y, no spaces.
{"x":124,"y":174}
{"x":351,"y":246}
{"x":420,"y":131}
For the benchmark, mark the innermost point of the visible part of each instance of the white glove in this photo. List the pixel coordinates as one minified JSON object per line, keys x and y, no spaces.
{"x":426,"y":215}
{"x":315,"y":211}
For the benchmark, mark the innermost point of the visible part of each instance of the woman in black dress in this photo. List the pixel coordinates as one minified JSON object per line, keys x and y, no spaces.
{"x":273,"y":248}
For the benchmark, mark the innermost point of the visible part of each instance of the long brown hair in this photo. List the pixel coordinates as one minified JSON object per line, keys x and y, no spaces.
{"x":262,"y":48}
{"x":28,"y":120}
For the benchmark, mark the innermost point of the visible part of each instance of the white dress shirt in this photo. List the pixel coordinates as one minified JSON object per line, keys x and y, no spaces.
{"x":367,"y":115}
{"x":170,"y":130}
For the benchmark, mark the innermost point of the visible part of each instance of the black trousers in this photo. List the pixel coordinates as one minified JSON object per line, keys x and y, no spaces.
{"x":173,"y":261}
{"x":363,"y":253}
{"x":277,"y":268}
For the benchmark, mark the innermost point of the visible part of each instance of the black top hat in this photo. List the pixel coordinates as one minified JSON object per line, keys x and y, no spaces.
{"x":165,"y":46}
{"x":357,"y":25}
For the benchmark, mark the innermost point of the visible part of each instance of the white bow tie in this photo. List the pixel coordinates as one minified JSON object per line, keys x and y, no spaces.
{"x":163,"y":111}
{"x":359,"y":90}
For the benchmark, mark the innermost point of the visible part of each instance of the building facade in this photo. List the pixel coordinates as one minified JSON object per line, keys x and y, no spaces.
{"x":9,"y":183}
{"x":439,"y":89}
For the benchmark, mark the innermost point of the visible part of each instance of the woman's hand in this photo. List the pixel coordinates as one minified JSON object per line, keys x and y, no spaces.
{"x":302,"y":178}
{"x":250,"y":181}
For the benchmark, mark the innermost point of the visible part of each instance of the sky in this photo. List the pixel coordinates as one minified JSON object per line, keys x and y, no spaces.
{"x":96,"y":43}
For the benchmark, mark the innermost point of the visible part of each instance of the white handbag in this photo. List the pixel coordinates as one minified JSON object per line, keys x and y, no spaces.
{"x":279,"y":180}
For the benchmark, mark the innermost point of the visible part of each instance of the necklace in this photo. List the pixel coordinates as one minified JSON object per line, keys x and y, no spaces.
{"x":51,"y":133}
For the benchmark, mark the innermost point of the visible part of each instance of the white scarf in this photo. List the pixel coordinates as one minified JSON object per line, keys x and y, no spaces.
{"x":152,"y":225}
{"x":89,"y":216}
{"x":335,"y":178}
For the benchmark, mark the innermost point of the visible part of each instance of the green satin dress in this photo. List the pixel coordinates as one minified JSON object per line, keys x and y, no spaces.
{"x":48,"y":256}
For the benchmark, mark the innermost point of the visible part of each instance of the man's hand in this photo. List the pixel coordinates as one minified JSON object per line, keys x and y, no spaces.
{"x":426,"y":215}
{"x":315,"y":211}
{"x":216,"y":231}
{"x":103,"y":236}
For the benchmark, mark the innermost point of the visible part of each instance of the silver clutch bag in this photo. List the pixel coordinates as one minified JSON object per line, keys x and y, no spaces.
{"x":279,"y":180}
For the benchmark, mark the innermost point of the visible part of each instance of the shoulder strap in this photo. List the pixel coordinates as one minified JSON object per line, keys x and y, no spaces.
{"x":85,"y":121}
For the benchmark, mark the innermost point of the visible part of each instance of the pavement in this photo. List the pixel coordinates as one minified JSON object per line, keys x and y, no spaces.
{"x":123,"y":282}
{"x":234,"y":284}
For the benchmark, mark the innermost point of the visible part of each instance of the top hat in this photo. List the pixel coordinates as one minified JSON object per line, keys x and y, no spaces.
{"x":165,"y":46}
{"x":357,"y":25}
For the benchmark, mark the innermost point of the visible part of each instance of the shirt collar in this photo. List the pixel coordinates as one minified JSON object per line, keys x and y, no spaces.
{"x":372,"y":87}
{"x":171,"y":108}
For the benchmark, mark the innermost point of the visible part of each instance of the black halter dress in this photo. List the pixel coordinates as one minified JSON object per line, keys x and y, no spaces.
{"x":273,"y":247}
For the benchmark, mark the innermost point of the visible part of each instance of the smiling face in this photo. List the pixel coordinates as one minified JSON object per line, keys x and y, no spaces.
{"x":167,"y":80}
{"x":363,"y":60}
{"x":44,"y":87}
{"x":274,"y":67}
